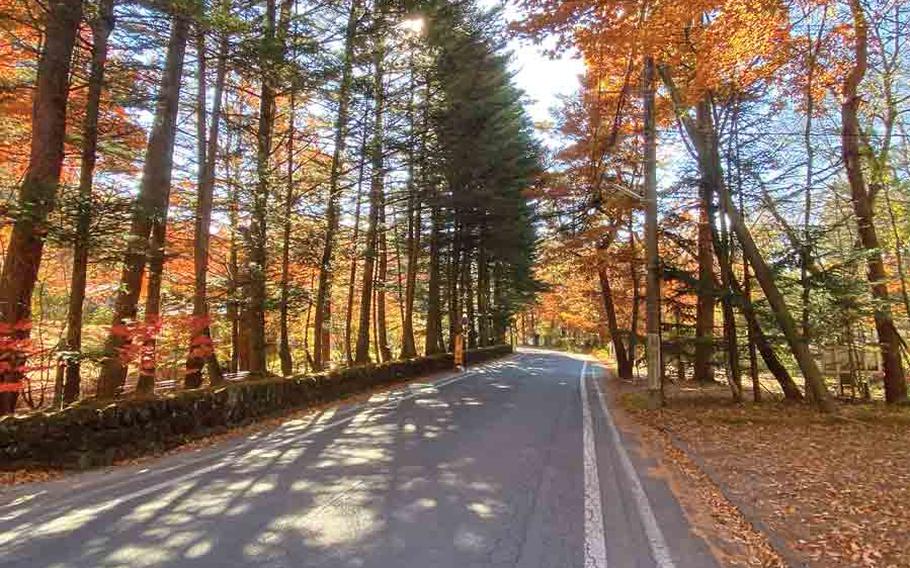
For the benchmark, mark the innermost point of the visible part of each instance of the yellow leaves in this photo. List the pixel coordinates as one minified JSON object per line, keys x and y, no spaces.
{"x":742,"y":42}
{"x":19,"y":47}
{"x":730,"y":47}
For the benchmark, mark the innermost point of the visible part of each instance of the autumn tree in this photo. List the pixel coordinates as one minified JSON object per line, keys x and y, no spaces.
{"x":148,"y":226}
{"x":37,"y":194}
{"x":101,"y":24}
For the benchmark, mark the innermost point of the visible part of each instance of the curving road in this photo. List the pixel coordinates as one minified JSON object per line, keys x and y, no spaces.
{"x":514,"y":463}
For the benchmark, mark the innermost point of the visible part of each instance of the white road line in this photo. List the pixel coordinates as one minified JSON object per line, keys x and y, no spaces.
{"x":660,"y":552}
{"x":595,"y":545}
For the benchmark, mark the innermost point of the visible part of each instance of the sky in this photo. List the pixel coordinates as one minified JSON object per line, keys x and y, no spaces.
{"x":545,"y":80}
{"x":542,"y":78}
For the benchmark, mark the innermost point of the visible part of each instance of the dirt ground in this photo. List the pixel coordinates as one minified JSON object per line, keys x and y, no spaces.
{"x":827,"y":491}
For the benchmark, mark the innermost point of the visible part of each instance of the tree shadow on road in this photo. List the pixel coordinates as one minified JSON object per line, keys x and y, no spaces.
{"x":393,"y":483}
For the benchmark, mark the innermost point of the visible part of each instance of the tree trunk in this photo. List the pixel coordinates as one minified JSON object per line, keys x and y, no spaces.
{"x":752,"y":336}
{"x":233,"y":288}
{"x":806,"y":248}
{"x":201,"y":351}
{"x":306,"y":325}
{"x":323,"y":291}
{"x":399,"y":265}
{"x":284,"y":344}
{"x":377,"y":189}
{"x":376,"y":353}
{"x":255,"y":308}
{"x":434,"y":341}
{"x":763,"y":274}
{"x":888,"y":338}
{"x":709,"y":164}
{"x":467,"y":289}
{"x":151,"y":206}
{"x":454,"y":270}
{"x":709,"y":159}
{"x":152,"y":321}
{"x":652,"y":252}
{"x":636,"y":297}
{"x":502,"y":319}
{"x":37,"y":195}
{"x":623,"y":364}
{"x":352,"y":278}
{"x":722,"y":249}
{"x":408,"y":344}
{"x":362,"y":353}
{"x":704,"y":319}
{"x":272,"y":55}
{"x":483,"y":295}
{"x":244,"y":309}
{"x":781,"y":375}
{"x":382,"y":277}
{"x":414,"y":202}
{"x":751,"y":325}
{"x":102,"y":25}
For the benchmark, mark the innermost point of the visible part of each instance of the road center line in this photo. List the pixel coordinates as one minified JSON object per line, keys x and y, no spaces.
{"x":660,"y":552}
{"x":595,"y":545}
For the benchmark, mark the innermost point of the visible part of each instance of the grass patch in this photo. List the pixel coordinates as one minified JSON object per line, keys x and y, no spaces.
{"x":634,"y":401}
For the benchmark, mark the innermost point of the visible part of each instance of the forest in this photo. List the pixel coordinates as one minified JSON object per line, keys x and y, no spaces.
{"x":773,"y":137}
{"x":196,"y":193}
{"x":199,"y":192}
{"x":399,"y":317}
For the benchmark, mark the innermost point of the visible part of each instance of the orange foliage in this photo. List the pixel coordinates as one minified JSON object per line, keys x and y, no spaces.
{"x":570,"y":300}
{"x":20,"y":40}
{"x":722,"y":44}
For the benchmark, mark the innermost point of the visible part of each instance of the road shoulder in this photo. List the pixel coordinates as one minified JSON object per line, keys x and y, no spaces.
{"x":829,"y":490}
{"x":728,"y":533}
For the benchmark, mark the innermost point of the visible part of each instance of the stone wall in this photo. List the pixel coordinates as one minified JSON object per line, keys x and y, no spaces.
{"x":91,"y":433}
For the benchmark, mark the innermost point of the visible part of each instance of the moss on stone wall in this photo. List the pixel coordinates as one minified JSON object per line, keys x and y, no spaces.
{"x":91,"y":433}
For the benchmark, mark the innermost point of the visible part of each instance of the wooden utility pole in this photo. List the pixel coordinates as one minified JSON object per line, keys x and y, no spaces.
{"x":655,"y":393}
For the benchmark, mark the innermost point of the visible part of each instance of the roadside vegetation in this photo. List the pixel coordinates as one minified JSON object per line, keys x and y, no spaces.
{"x":832,"y":489}
{"x":783,"y":177}
{"x":200,"y":192}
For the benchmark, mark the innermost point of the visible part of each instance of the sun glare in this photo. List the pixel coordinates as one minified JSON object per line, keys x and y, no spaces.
{"x":413,"y":25}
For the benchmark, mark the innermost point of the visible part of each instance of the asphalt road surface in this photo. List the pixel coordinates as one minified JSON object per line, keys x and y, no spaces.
{"x":514,"y":463}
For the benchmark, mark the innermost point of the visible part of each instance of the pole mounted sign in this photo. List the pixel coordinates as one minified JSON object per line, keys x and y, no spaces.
{"x":459,"y":343}
{"x":459,"y":350}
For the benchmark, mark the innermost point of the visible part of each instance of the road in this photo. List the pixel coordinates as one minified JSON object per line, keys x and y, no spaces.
{"x":514,"y":463}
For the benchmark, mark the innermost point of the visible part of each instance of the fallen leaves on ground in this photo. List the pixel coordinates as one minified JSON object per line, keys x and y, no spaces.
{"x":835,"y":488}
{"x":17,"y":477}
{"x":732,"y":538}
